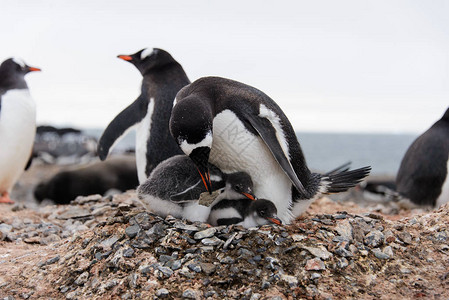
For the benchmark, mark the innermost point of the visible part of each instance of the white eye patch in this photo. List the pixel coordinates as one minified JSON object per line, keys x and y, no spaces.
{"x":145,"y":53}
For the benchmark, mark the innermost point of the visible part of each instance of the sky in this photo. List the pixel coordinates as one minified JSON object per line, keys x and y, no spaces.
{"x":333,"y":66}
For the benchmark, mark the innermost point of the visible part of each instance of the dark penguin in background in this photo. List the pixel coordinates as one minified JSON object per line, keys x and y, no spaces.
{"x":17,"y":124}
{"x":239,"y":128}
{"x":423,"y":174}
{"x":117,"y":173}
{"x":163,"y":77}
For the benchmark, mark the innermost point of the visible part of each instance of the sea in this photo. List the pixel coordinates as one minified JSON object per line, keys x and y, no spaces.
{"x":326,"y":151}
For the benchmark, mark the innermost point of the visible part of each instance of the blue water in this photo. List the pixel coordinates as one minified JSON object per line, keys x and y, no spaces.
{"x":326,"y":151}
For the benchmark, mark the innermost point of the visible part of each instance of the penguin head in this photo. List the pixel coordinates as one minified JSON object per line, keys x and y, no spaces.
{"x":149,"y":59}
{"x":15,"y":67}
{"x":264,"y":212}
{"x":238,"y":184}
{"x":191,"y":126}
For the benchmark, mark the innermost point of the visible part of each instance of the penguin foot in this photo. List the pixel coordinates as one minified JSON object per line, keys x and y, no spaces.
{"x":5,"y":199}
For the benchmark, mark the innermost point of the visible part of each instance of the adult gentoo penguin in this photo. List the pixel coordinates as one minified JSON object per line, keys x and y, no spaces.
{"x":17,"y":123}
{"x":423,"y":174}
{"x":163,"y":77}
{"x":239,"y":128}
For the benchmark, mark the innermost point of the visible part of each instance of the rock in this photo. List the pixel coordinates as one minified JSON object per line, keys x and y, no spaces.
{"x":132,"y":231}
{"x":374,"y":239}
{"x":342,"y":263}
{"x":292,"y":281}
{"x":74,"y":212}
{"x":388,"y":250}
{"x":319,"y":251}
{"x":344,"y":229}
{"x":162,"y":293}
{"x":315,"y":264}
{"x":205,"y":233}
{"x":129,"y":252}
{"x":405,"y":237}
{"x":214,"y":241}
{"x":190,"y":294}
{"x":82,"y":279}
{"x":108,"y":243}
{"x":52,"y":260}
{"x":315,"y":276}
{"x":194,"y":267}
{"x":208,"y":268}
{"x":379,"y":254}
{"x":343,"y":252}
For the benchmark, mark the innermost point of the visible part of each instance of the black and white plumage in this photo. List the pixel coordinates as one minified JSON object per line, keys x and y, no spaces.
{"x":245,"y":212}
{"x":423,"y":173}
{"x":238,"y":128}
{"x":17,"y":124}
{"x":163,"y":77}
{"x":174,"y":187}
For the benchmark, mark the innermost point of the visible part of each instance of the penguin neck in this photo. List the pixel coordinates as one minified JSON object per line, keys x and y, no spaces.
{"x":12,"y":82}
{"x":168,"y":74}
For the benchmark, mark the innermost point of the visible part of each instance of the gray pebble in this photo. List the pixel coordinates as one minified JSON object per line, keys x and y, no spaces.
{"x":344,"y":229}
{"x":52,"y":260}
{"x":342,"y":263}
{"x":166,"y":271}
{"x":374,"y":239}
{"x":205,"y":233}
{"x":343,"y":252}
{"x":405,"y":237}
{"x":82,"y":279}
{"x":189,"y":294}
{"x":129,"y":252}
{"x":379,"y":254}
{"x":319,"y":251}
{"x":214,"y":241}
{"x":132,"y":231}
{"x":194,"y":267}
{"x":162,"y":293}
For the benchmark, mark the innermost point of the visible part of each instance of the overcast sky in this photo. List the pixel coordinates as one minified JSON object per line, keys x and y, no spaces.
{"x":353,"y":66}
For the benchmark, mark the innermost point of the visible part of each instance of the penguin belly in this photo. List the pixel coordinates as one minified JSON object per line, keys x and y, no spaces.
{"x":143,"y":131}
{"x":17,"y":132}
{"x":236,"y":149}
{"x":444,"y":196}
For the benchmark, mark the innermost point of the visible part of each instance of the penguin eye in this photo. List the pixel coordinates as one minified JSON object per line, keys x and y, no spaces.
{"x":262,"y":213}
{"x":237,"y":187}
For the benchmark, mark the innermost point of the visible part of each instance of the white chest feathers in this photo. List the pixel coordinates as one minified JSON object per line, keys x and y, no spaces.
{"x":142,"y":135}
{"x":236,"y":149}
{"x":17,"y":131}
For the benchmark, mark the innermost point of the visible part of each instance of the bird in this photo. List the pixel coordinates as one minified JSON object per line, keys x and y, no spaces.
{"x":237,"y":127}
{"x":17,"y":124}
{"x":163,"y":77}
{"x":117,"y":173}
{"x":244,"y":211}
{"x":174,"y":188}
{"x":423,"y":173}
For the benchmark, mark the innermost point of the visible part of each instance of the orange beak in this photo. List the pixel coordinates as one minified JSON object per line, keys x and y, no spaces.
{"x":33,"y":69}
{"x":125,"y":57}
{"x":275,"y":220}
{"x":249,"y":196}
{"x":205,"y":177}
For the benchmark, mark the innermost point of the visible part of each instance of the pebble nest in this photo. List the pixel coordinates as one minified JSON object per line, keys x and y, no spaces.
{"x":111,"y":248}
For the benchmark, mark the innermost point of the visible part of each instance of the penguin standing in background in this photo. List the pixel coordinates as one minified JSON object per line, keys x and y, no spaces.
{"x":239,"y":128}
{"x":163,"y":77}
{"x":423,"y":174}
{"x":17,"y":124}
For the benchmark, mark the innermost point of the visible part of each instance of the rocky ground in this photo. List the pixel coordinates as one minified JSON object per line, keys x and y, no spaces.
{"x":110,"y":248}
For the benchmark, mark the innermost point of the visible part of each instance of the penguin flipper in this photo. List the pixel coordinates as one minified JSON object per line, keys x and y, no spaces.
{"x":268,"y":134}
{"x":126,"y":119}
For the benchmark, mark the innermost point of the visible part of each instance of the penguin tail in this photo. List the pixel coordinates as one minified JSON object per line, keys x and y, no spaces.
{"x":343,"y":168}
{"x":338,"y":182}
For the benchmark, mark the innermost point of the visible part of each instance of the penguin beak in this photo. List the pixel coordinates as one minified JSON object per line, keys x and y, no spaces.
{"x":274,"y":219}
{"x":33,"y":69}
{"x":205,"y":177}
{"x":249,"y":196}
{"x":125,"y":57}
